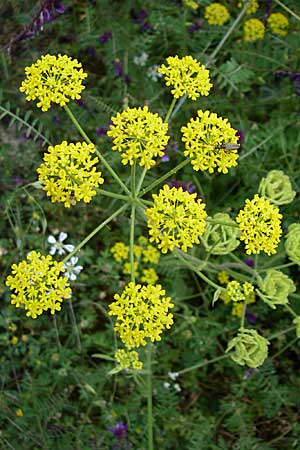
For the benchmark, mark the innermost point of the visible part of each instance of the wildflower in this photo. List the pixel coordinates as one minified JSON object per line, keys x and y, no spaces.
{"x":187,"y":76}
{"x":151,"y":255}
{"x":153,"y":74}
{"x":120,"y":251}
{"x":176,"y":219}
{"x":259,"y":223}
{"x":219,"y":239}
{"x":14,"y":340}
{"x":106,"y":36}
{"x":252,"y":8}
{"x":248,"y":348}
{"x":254,"y":30}
{"x":19,"y":413}
{"x":277,"y":187}
{"x":192,"y":4}
{"x":142,"y":312}
{"x":204,"y":137}
{"x":278,"y":23}
{"x":223,"y":277}
{"x":292,"y":243}
{"x":237,"y":292}
{"x":189,"y":186}
{"x":68,"y":174}
{"x":71,"y":270}
{"x":127,"y":268}
{"x":173,"y":375}
{"x":128,"y":359}
{"x":177,"y":387}
{"x":276,"y":286}
{"x":167,"y":385}
{"x":141,"y":60}
{"x":195,"y":26}
{"x":237,"y":309}
{"x":38,"y":285}
{"x":139,"y":135}
{"x":249,"y":262}
{"x":149,"y":276}
{"x":216,"y":14}
{"x":58,"y":246}
{"x":53,"y":79}
{"x":120,"y":430}
{"x":101,"y":131}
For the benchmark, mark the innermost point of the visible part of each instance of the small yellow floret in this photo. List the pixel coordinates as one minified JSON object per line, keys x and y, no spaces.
{"x":260,"y":226}
{"x":176,"y":219}
{"x":128,"y":359}
{"x":141,"y":313}
{"x":254,"y":30}
{"x":53,"y":79}
{"x":187,"y":76}
{"x":191,"y":4}
{"x":38,"y":284}
{"x":278,"y":23}
{"x":204,"y":137}
{"x":252,"y":8}
{"x":67,"y":173}
{"x":120,"y":251}
{"x":223,"y":277}
{"x":139,"y":135}
{"x":216,"y":14}
{"x":149,"y":276}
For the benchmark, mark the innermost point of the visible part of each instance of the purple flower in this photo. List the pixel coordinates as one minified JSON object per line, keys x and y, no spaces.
{"x":120,"y":430}
{"x":91,"y":52}
{"x":195,"y":26}
{"x":106,"y":36}
{"x":251,"y":318}
{"x":118,"y":68}
{"x":248,"y":373}
{"x":17,"y":180}
{"x":165,"y":157}
{"x":59,"y":8}
{"x":189,"y":186}
{"x":249,"y":262}
{"x":241,"y":135}
{"x":101,"y":131}
{"x":127,"y":79}
{"x":79,"y":102}
{"x":140,"y":18}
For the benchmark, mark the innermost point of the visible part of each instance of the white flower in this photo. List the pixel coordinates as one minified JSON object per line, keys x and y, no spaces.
{"x":72,"y":271}
{"x":141,"y":60}
{"x":177,"y":387}
{"x":173,"y":375}
{"x":153,"y":74}
{"x":58,"y":246}
{"x":166,"y":385}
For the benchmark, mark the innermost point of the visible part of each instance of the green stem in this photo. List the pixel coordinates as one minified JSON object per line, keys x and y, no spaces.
{"x":287,"y":9}
{"x":170,"y":109}
{"x":100,"y":156}
{"x":281,"y":333}
{"x":149,"y":399}
{"x":203,"y":364}
{"x":140,"y":182}
{"x":244,"y":312}
{"x":164,"y":177}
{"x":113,"y":194}
{"x":95,"y":231}
{"x":291,"y":311}
{"x":221,"y":222}
{"x":282,"y":266}
{"x":132,"y":224}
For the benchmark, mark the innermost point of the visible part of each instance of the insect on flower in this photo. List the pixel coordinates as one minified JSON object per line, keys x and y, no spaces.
{"x":227,"y":146}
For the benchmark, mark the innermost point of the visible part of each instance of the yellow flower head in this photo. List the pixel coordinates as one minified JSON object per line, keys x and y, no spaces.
{"x":53,"y":79}
{"x":204,"y":139}
{"x":151,"y":255}
{"x":176,"y":219}
{"x":142,"y":312}
{"x":252,"y":8}
{"x":120,"y":251}
{"x":259,"y":223}
{"x":37,"y":284}
{"x":19,"y":413}
{"x":278,"y":23}
{"x":127,"y":359}
{"x":187,"y":76}
{"x":139,"y":135}
{"x":67,"y":173}
{"x":237,"y":309}
{"x":237,"y":292}
{"x":149,"y":276}
{"x":223,"y":277}
{"x":254,"y":30}
{"x":190,"y":4}
{"x":216,"y":14}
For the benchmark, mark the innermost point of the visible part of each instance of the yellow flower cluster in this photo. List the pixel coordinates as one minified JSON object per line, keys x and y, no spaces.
{"x":139,"y":134}
{"x":259,"y":223}
{"x":38,"y":285}
{"x":68,"y":174}
{"x":187,"y":76}
{"x":141,"y":312}
{"x":278,"y":23}
{"x":127,"y":359}
{"x":191,"y":4}
{"x":254,"y":30}
{"x":216,"y":14}
{"x":53,"y":79}
{"x":223,"y":277}
{"x":236,"y":294}
{"x":176,"y":219}
{"x":252,"y":8}
{"x":204,"y":138}
{"x":144,"y":254}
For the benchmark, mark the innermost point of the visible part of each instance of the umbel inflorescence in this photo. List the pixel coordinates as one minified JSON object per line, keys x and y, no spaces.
{"x":38,"y":284}
{"x":53,"y":79}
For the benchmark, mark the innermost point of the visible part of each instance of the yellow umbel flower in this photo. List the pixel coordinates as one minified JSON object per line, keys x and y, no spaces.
{"x":176,"y":219}
{"x":259,"y":223}
{"x":139,"y":134}
{"x":190,"y":4}
{"x":151,"y":255}
{"x":254,"y":30}
{"x":223,"y":277}
{"x":53,"y":79}
{"x":237,"y":309}
{"x":252,"y":8}
{"x":278,"y":23}
{"x":120,"y":251}
{"x":127,"y":359}
{"x":237,"y":292}
{"x":149,"y":276}
{"x":187,"y":76}
{"x":67,"y":173}
{"x":142,"y":312}
{"x":216,"y":14}
{"x":38,"y":285}
{"x":204,"y":139}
